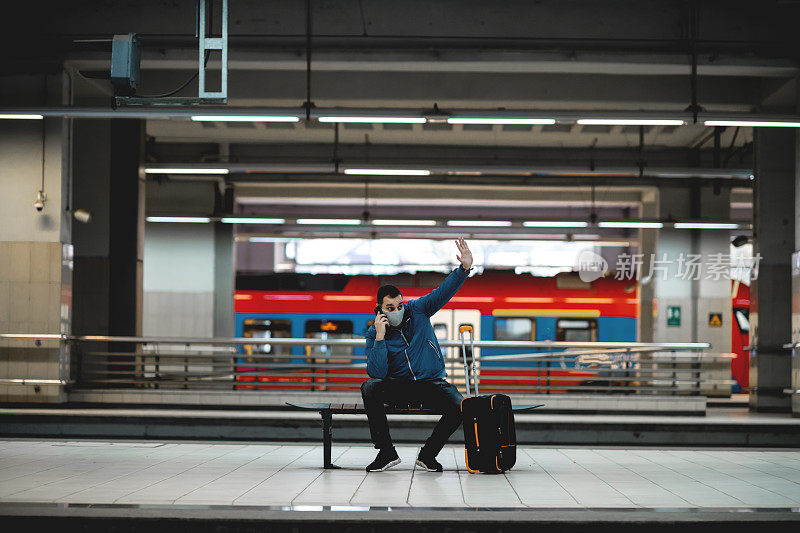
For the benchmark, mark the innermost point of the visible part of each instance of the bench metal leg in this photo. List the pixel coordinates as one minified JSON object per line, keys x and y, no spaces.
{"x":327,"y":437}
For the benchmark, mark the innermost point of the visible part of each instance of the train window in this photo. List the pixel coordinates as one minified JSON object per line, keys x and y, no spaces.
{"x":329,"y":329}
{"x":576,"y":330}
{"x":514,"y":329}
{"x":266,"y":329}
{"x":441,"y":331}
{"x":743,"y":319}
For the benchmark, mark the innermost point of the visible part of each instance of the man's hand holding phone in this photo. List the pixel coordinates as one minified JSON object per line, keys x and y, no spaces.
{"x":381,"y":322}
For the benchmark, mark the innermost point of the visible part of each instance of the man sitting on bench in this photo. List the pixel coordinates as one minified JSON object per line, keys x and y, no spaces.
{"x":405,"y":364}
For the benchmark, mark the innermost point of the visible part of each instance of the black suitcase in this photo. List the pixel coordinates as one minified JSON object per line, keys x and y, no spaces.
{"x":489,"y":436}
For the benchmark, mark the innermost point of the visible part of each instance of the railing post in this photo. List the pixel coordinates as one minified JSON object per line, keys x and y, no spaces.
{"x":674,"y":375}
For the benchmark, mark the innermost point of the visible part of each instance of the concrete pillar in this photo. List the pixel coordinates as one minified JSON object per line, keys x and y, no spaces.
{"x":224,"y":279}
{"x":108,"y":269}
{"x":188,"y":268}
{"x":179,"y":280}
{"x":695,"y":293}
{"x":649,"y":240}
{"x":774,"y":240}
{"x":35,"y":247}
{"x":796,"y":313}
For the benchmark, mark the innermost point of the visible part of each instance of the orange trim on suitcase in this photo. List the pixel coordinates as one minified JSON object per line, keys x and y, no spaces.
{"x":477,"y":444}
{"x":466,"y":461}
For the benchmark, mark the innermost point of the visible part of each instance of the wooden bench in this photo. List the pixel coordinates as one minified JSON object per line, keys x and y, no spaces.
{"x":327,"y":410}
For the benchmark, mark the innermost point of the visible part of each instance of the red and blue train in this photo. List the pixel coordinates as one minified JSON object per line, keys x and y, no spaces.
{"x":500,"y":305}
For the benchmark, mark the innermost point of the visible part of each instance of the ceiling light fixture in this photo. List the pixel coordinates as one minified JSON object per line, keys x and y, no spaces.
{"x":488,"y":120}
{"x":611,"y":244}
{"x":753,"y":123}
{"x":243,"y":118}
{"x":190,"y":220}
{"x":479,"y":223}
{"x":384,"y":120}
{"x":20,"y":116}
{"x":331,"y":221}
{"x":629,"y":122}
{"x":250,"y":220}
{"x":631,"y":225}
{"x":554,"y":224}
{"x":186,"y":171}
{"x":269,"y":239}
{"x":386,"y":172}
{"x":705,"y":225}
{"x":389,"y":222}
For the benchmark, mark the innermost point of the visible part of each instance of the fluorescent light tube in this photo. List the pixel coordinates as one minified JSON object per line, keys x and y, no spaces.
{"x":622,"y":244}
{"x":646,"y":225}
{"x":249,"y":220}
{"x":332,"y":221}
{"x":388,"y":222}
{"x":196,"y":220}
{"x":386,"y":172}
{"x":485,"y":223}
{"x":269,"y":239}
{"x":501,"y":121}
{"x":388,"y":120}
{"x":629,"y":122}
{"x":705,"y":225}
{"x":243,"y":118}
{"x":554,"y":224}
{"x":20,"y":116}
{"x":753,"y":123}
{"x":186,"y":171}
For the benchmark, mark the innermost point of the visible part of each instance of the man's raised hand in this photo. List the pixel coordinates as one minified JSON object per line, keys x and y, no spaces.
{"x":465,"y":255}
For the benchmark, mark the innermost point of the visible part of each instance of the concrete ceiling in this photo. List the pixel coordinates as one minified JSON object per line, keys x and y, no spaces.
{"x":458,"y":54}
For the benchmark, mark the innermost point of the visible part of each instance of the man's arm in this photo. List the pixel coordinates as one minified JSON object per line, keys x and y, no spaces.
{"x":377,"y":358}
{"x":437,"y":298}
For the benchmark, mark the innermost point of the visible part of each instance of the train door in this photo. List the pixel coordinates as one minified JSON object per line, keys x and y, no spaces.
{"x":253,"y":354}
{"x":324,"y":358}
{"x":740,"y":366}
{"x":740,"y":336}
{"x":445,"y":324}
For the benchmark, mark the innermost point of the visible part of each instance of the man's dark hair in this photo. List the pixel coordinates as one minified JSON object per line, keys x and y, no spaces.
{"x":387,"y":290}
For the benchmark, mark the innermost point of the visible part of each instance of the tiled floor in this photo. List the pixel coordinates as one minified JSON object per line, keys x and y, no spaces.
{"x":289,"y":475}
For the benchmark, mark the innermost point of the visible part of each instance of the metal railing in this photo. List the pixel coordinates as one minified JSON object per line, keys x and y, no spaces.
{"x":546,"y":367}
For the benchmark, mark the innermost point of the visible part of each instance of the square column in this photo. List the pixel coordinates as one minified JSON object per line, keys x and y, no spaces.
{"x":35,"y":248}
{"x":696,"y":293}
{"x":770,"y":294}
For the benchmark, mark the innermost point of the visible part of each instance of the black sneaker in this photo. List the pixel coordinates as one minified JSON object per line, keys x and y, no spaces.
{"x":428,"y":463}
{"x":386,"y":459}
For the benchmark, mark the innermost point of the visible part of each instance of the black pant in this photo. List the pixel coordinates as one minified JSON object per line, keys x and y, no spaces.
{"x":436,"y":394}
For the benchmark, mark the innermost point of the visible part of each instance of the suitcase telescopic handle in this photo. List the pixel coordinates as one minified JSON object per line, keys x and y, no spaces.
{"x":461,"y":330}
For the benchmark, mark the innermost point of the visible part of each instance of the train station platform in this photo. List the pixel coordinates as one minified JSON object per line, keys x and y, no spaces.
{"x":201,"y":484}
{"x":733,"y":425}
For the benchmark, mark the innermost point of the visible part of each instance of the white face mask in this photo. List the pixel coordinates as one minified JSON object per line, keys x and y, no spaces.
{"x":394,"y":317}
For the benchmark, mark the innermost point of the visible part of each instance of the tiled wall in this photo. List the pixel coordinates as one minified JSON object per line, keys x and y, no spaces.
{"x":35,"y":297}
{"x":178,"y":314}
{"x":30,"y":287}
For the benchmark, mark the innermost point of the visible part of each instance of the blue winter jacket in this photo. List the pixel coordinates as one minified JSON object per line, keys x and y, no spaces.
{"x":411,"y":351}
